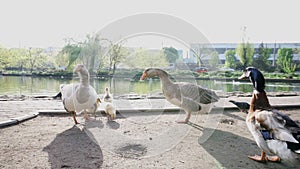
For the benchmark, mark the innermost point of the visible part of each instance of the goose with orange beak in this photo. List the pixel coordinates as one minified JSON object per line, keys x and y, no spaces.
{"x":190,"y":97}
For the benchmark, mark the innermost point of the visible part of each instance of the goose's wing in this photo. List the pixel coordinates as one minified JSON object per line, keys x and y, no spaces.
{"x":276,"y":123}
{"x":198,"y":93}
{"x":67,"y":95}
{"x":67,"y":90}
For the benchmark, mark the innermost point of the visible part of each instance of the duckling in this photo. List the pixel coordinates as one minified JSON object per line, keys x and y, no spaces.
{"x":107,"y":97}
{"x":110,"y":109}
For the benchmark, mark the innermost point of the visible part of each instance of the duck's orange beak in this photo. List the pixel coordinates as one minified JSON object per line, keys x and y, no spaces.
{"x":144,"y":75}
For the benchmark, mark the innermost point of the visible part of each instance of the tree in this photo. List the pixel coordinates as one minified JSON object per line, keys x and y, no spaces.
{"x":284,"y":60}
{"x":288,"y":66}
{"x":34,"y":58}
{"x":141,"y":58}
{"x":230,"y":61}
{"x":261,"y":61}
{"x":116,"y":52}
{"x":200,"y":51}
{"x":245,"y":51}
{"x":4,"y":58}
{"x":71,"y":51}
{"x":171,"y":54}
{"x":20,"y":58}
{"x":90,"y":53}
{"x":214,"y":60}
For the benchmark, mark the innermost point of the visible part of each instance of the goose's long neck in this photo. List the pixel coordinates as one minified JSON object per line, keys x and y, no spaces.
{"x":84,"y":78}
{"x":164,"y":78}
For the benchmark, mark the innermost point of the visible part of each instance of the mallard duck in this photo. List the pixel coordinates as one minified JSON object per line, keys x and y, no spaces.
{"x":275,"y":133}
{"x":110,"y":109}
{"x":78,"y":97}
{"x":188,"y":96}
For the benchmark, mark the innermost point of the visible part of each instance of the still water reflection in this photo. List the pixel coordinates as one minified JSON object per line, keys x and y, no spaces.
{"x":21,"y":85}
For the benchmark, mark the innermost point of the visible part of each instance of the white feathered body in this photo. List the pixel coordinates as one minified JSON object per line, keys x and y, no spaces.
{"x":283,"y":132}
{"x":77,"y":97}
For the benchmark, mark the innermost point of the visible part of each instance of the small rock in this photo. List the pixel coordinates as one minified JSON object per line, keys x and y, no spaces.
{"x":127,"y":131}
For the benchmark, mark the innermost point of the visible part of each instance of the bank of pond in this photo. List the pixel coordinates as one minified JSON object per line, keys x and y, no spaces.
{"x":119,"y":84}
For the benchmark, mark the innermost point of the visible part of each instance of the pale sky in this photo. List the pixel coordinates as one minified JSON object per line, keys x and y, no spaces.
{"x":44,"y":23}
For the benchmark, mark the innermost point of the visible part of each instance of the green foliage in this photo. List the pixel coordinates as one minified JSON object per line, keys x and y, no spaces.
{"x":245,"y":51}
{"x":4,"y":58}
{"x":171,"y":54}
{"x":230,"y":61}
{"x":142,"y":58}
{"x":288,"y":66}
{"x":72,"y":52}
{"x":214,"y":60}
{"x":35,"y":58}
{"x":261,"y":61}
{"x":90,"y":54}
{"x":116,"y":54}
{"x":284,"y":60}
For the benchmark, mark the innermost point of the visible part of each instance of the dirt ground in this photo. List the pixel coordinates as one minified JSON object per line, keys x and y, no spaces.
{"x":219,"y":139}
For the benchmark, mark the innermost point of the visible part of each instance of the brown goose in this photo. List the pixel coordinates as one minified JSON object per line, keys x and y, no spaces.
{"x":188,"y":96}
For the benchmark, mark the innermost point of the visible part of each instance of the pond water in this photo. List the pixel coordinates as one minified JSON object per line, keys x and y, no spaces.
{"x":24,"y":85}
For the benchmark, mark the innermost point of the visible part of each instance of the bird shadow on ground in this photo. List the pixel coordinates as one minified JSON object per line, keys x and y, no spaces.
{"x":94,"y":124}
{"x":231,"y":150}
{"x":113,"y":125}
{"x":73,"y":148}
{"x":228,"y":113}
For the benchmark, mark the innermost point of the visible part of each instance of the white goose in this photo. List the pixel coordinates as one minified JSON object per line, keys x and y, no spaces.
{"x":188,"y":96}
{"x":81,"y":96}
{"x":110,"y":109}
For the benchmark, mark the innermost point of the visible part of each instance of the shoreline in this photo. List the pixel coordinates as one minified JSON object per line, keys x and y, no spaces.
{"x":71,"y":75}
{"x":14,"y":108}
{"x":134,"y":96}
